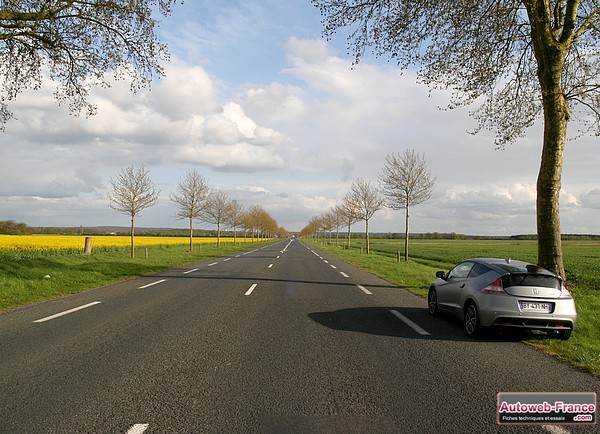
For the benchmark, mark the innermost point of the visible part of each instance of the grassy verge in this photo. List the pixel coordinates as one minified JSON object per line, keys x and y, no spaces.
{"x":23,"y":274}
{"x":582,"y":350}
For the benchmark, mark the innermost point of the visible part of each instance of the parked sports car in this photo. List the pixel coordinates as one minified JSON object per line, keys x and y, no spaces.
{"x":489,"y":292}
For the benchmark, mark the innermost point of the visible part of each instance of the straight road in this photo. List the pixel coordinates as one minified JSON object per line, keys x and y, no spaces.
{"x":282,"y":339}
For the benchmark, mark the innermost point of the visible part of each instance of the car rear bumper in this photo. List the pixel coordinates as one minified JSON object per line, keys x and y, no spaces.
{"x":504,"y":311}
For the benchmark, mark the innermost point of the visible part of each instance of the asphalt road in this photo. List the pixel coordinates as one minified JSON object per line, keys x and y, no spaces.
{"x":282,"y":339}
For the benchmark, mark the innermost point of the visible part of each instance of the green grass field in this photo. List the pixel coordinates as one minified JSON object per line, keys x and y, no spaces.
{"x":23,"y":273}
{"x":582,"y":263}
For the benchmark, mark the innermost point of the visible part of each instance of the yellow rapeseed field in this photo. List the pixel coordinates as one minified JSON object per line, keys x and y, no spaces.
{"x":57,"y":242}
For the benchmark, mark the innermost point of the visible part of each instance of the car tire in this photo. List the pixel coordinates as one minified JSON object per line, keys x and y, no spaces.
{"x":564,"y":335}
{"x":432,"y":302}
{"x":472,"y":323}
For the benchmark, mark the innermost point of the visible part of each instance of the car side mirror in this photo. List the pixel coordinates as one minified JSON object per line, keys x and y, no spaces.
{"x":440,"y":274}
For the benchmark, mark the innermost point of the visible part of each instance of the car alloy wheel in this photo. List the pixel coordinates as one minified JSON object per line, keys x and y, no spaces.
{"x":432,"y":302}
{"x":472,"y":326}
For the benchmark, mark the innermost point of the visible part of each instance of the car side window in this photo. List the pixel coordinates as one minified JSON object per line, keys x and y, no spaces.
{"x":461,"y":271}
{"x":478,"y":270}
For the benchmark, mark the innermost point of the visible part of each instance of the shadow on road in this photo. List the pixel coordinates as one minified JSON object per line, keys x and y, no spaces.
{"x":382,"y":322}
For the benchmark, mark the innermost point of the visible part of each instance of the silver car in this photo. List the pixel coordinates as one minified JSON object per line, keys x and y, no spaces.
{"x":488,"y":292}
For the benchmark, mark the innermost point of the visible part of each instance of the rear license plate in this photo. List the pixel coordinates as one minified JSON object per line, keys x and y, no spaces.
{"x":535,"y":306}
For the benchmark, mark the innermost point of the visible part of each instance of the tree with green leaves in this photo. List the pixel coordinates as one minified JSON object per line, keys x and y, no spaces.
{"x":523,"y":59}
{"x":405,"y":181}
{"x":132,"y":192}
{"x":77,"y":43}
{"x":190,"y":199}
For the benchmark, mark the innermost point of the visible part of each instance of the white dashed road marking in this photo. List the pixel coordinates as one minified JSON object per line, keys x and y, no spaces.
{"x":138,"y":428}
{"x":409,"y":323}
{"x":251,"y":289}
{"x":365,"y":290}
{"x":554,"y":429}
{"x":66,"y":312}
{"x":152,"y":284}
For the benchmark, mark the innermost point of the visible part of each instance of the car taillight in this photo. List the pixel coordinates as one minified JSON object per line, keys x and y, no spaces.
{"x":564,"y":293}
{"x":495,"y":287}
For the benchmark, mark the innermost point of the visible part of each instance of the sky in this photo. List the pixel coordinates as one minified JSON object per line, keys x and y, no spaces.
{"x":270,"y":112}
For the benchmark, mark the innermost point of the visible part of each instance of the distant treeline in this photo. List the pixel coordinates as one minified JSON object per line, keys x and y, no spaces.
{"x":10,"y":227}
{"x":455,"y":236}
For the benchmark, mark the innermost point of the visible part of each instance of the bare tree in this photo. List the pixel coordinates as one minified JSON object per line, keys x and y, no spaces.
{"x":132,"y":192}
{"x":251,"y":220}
{"x":312,"y":228}
{"x":349,"y":212}
{"x":78,"y":43}
{"x":523,"y":59}
{"x":338,"y":220}
{"x":265,"y":223}
{"x":190,"y":199}
{"x":260,"y":222}
{"x":217,"y":211}
{"x":327,"y":224}
{"x":236,"y":217}
{"x":405,"y":182}
{"x":365,"y":198}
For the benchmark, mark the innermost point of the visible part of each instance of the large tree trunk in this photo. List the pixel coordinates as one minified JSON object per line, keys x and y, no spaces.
{"x":550,"y":55}
{"x":549,"y":183}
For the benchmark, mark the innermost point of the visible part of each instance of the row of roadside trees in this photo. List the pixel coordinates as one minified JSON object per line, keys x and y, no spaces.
{"x":404,"y":182}
{"x":133,"y":191}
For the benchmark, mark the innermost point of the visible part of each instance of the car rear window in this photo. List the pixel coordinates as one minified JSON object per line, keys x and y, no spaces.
{"x":511,"y":268}
{"x":541,"y":280}
{"x":478,"y":269}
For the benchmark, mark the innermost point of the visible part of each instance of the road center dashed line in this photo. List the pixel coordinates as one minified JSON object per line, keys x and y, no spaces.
{"x":270,"y":265}
{"x":409,"y":323}
{"x":152,"y":284}
{"x":66,"y":312}
{"x":214,"y":263}
{"x":344,"y":274}
{"x":190,"y":271}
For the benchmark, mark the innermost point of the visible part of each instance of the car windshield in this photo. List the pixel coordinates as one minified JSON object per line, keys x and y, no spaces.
{"x":540,"y":280}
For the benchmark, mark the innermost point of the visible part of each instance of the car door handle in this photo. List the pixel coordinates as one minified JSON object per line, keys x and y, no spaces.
{"x":463,"y":285}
